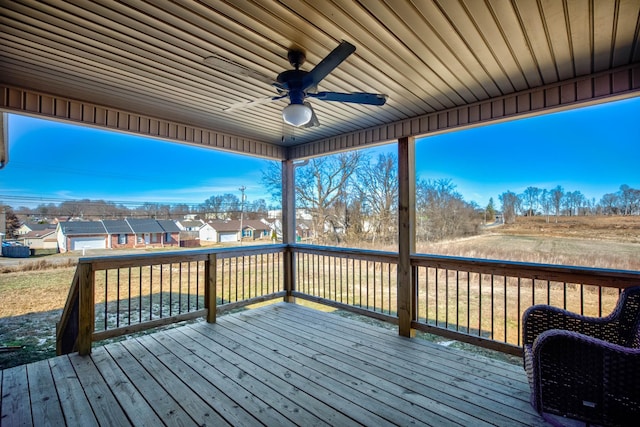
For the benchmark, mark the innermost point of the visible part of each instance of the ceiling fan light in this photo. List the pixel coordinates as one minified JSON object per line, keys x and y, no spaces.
{"x":297,"y":114}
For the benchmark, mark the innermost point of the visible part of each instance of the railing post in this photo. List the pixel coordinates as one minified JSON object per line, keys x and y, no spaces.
{"x":211,"y":289}
{"x":288,"y":227}
{"x":406,"y":234}
{"x":86,"y":314}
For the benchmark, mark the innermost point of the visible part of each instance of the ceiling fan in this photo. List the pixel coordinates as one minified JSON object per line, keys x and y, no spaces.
{"x":298,"y":85}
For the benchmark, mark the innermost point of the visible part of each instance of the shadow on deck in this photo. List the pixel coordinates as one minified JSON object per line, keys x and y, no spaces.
{"x":282,"y":364}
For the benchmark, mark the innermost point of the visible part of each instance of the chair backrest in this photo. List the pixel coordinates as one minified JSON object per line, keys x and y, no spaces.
{"x":627,"y":315}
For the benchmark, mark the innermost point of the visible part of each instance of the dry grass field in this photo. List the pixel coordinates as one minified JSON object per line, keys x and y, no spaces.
{"x":603,"y":242}
{"x":32,"y":296}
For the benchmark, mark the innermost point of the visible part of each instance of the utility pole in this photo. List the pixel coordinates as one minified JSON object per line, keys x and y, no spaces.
{"x":3,"y":223}
{"x":241,"y":210}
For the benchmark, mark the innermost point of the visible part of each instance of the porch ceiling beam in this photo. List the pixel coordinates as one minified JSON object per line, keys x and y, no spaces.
{"x":620,"y":83}
{"x":25,"y":101}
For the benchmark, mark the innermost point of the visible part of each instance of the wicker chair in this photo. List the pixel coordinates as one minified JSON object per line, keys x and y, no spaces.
{"x":585,"y":368}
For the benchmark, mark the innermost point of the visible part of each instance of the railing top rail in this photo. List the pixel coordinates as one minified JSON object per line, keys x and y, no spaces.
{"x":561,"y":273}
{"x":136,"y":260}
{"x":361,"y":254}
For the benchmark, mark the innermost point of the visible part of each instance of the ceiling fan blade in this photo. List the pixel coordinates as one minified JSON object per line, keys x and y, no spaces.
{"x":224,"y":64}
{"x":314,"y":119}
{"x":248,"y":104}
{"x":331,"y":61}
{"x":355,"y":97}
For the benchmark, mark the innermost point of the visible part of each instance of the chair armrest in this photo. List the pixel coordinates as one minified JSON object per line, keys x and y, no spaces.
{"x":540,"y":318}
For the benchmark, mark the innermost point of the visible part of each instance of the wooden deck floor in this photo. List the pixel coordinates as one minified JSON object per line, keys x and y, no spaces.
{"x":282,"y":364}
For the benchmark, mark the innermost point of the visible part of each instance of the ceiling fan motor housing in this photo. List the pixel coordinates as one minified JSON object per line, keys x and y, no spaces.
{"x":293,"y":81}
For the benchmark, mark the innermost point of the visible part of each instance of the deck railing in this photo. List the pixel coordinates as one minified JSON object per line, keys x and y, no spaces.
{"x":119,"y":295}
{"x":357,"y":280}
{"x":465,"y":299}
{"x":482,"y":301}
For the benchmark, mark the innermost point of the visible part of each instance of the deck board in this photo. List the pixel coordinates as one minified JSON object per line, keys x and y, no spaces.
{"x":15,"y":409}
{"x":481,"y":384}
{"x":47,"y":410}
{"x":282,"y":364}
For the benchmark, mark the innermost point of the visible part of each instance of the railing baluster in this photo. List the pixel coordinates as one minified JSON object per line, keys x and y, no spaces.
{"x":479,"y":304}
{"x":468,"y":302}
{"x":446,"y":298}
{"x":129,"y":302}
{"x":505,"y":306}
{"x":140,"y":295}
{"x":389,"y":287}
{"x":150,"y":292}
{"x":457,"y":301}
{"x":600,"y":301}
{"x":492,"y":306}
{"x":548,"y":292}
{"x":519,"y":313}
{"x":197,"y":287}
{"x":118,"y":299}
{"x":106,"y":298}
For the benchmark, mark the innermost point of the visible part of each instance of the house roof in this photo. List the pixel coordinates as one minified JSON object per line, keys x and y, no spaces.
{"x":255,"y":224}
{"x":144,"y":225}
{"x":39,"y":234}
{"x":35,"y":226}
{"x":225,"y":226}
{"x":168,"y":225}
{"x":73,"y":228}
{"x":139,"y":66}
{"x":116,"y":226}
{"x":191,"y":223}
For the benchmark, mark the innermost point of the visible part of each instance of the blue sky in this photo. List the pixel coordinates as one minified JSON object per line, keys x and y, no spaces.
{"x":593,"y":150}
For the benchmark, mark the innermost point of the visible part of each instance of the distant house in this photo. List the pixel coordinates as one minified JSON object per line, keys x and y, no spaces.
{"x":207,"y":233}
{"x":119,"y":234}
{"x":171,"y":232}
{"x":255,"y":230}
{"x":189,"y":224}
{"x":229,"y":230}
{"x":303,"y":230}
{"x":152,"y":232}
{"x":79,"y":235}
{"x":115,"y":234}
{"x":28,"y":227}
{"x":225,"y":231}
{"x":40,"y":239}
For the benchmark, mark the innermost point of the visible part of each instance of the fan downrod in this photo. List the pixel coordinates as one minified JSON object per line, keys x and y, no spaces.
{"x":296,"y":58}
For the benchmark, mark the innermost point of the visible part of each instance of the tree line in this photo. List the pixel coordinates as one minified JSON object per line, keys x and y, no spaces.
{"x":353,"y":198}
{"x":223,"y":206}
{"x":559,"y":202}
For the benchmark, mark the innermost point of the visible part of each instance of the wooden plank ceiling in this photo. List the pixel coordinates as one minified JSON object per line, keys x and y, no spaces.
{"x":146,"y":57}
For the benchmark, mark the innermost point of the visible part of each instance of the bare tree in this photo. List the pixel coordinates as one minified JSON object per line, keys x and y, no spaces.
{"x":546,"y":201}
{"x":510,"y":203}
{"x":320,"y":184}
{"x":442,"y":213}
{"x":531,"y":197}
{"x":557,"y":195}
{"x":256,"y":209}
{"x":225,"y":206}
{"x":610,"y":203}
{"x":272,"y":180}
{"x":378,"y":190}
